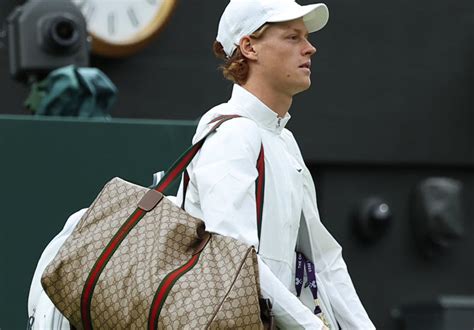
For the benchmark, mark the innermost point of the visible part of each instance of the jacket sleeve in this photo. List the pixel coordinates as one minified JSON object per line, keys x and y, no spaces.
{"x":42,"y":310}
{"x":224,"y":174}
{"x":327,"y":257}
{"x":332,"y":270}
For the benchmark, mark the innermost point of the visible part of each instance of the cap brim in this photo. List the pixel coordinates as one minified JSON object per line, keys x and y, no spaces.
{"x":315,"y":16}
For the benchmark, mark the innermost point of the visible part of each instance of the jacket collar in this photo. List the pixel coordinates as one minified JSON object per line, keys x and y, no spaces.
{"x":248,"y":105}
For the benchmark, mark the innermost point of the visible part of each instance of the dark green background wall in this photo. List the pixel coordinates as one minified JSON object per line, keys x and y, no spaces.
{"x":52,"y":168}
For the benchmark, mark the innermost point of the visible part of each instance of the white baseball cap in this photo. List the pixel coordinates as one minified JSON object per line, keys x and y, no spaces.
{"x":243,"y":17}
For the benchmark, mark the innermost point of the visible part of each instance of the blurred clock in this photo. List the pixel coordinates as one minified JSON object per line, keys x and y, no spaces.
{"x":122,"y":27}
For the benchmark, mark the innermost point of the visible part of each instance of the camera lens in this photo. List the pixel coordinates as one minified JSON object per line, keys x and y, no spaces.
{"x":63,"y":32}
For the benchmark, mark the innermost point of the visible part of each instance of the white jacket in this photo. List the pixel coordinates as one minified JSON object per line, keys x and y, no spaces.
{"x":222,"y":193}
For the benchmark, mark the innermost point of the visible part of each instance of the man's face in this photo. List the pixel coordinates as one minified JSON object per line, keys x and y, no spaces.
{"x":284,"y":54}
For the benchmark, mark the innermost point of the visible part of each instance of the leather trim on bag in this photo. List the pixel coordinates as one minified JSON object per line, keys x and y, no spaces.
{"x":150,"y":200}
{"x":230,"y":288}
{"x":202,"y":244}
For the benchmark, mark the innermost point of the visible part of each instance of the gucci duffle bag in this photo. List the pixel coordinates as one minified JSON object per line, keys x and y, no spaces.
{"x":136,"y":260}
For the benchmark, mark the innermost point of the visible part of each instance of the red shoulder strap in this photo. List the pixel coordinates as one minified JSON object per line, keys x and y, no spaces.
{"x":179,"y":167}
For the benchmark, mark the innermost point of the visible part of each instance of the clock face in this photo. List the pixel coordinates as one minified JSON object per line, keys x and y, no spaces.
{"x":124,"y":22}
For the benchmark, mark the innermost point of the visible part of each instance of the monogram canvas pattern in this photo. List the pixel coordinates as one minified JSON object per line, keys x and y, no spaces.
{"x":222,"y":264}
{"x":221,"y":287}
{"x":65,"y":276}
{"x":240,"y":308}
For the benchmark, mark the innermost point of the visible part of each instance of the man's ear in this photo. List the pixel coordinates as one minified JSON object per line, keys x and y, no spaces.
{"x":247,"y":48}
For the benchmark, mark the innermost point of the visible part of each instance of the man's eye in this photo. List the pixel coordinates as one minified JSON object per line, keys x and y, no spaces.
{"x":293,"y":37}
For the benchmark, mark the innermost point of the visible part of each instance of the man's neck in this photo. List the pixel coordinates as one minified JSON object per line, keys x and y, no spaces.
{"x":276,"y":101}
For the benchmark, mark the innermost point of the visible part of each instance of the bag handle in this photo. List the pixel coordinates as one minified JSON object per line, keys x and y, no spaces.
{"x":179,"y":166}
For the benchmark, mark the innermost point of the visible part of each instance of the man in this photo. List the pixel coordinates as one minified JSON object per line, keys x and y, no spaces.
{"x":266,"y":52}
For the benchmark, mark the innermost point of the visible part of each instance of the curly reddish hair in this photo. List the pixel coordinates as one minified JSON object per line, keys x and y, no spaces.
{"x":235,"y":68}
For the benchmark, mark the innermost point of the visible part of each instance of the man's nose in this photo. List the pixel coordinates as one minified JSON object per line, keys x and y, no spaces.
{"x":309,"y":49}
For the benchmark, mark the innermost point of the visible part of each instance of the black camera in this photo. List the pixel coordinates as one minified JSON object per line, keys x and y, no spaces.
{"x":44,"y":35}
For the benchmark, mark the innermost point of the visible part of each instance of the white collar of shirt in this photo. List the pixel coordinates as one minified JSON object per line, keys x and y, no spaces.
{"x":248,"y":105}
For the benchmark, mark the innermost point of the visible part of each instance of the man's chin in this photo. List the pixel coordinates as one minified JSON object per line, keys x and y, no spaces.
{"x":302,"y":87}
